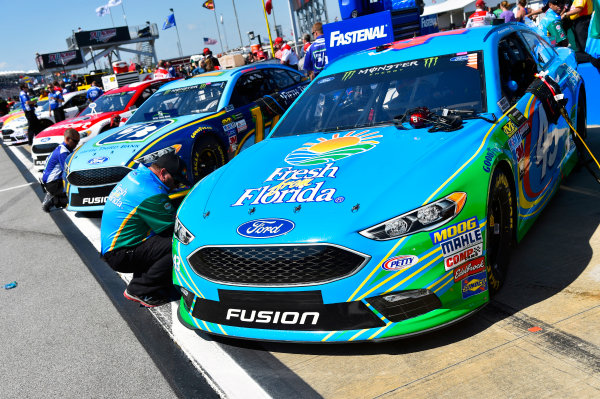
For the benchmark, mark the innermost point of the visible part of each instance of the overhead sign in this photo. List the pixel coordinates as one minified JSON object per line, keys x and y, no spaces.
{"x":357,"y":34}
{"x":57,"y":60}
{"x":102,"y":36}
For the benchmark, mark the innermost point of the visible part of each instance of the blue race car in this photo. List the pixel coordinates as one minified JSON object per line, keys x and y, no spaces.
{"x":387,"y":200}
{"x":206,"y":120}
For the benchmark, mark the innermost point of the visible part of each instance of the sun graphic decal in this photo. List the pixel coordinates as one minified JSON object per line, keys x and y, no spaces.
{"x":333,"y":149}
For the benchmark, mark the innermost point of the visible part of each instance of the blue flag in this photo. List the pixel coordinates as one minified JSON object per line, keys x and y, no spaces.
{"x":170,"y":22}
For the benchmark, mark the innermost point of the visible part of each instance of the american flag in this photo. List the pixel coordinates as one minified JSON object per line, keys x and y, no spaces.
{"x":208,"y":40}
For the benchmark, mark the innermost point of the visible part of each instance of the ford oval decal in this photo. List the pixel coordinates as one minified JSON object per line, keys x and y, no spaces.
{"x":265,"y":228}
{"x":97,"y":160}
{"x":45,"y":139}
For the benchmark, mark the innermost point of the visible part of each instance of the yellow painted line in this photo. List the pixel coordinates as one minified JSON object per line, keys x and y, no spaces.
{"x":379,"y":331}
{"x":222,"y":329}
{"x":241,"y":143}
{"x":179,"y":194}
{"x":328,"y":336}
{"x":206,"y":325}
{"x":357,"y":334}
{"x":548,"y":195}
{"x":196,"y":323}
{"x":400,"y":272}
{"x":376,"y":268}
{"x":445,"y":284}
{"x":528,"y":107}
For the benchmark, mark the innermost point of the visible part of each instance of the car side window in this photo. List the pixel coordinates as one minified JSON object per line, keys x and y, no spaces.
{"x":144,"y":96}
{"x":517,"y":67}
{"x":75,"y":101}
{"x":250,"y":87}
{"x":281,"y":79}
{"x":541,"y":50}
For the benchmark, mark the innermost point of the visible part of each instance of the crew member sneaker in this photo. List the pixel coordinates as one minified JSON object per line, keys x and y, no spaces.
{"x":47,"y":203}
{"x":146,"y":300}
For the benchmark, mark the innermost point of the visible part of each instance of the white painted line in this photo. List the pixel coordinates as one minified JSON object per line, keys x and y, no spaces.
{"x":15,"y":187}
{"x":221,"y":371}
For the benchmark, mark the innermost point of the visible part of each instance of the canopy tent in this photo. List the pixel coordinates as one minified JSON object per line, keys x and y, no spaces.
{"x":452,"y":5}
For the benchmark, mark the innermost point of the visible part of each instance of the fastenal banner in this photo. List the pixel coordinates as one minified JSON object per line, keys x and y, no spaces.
{"x":357,"y":34}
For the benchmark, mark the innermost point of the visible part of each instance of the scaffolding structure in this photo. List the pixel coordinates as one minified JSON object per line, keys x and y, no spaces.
{"x":308,"y":12}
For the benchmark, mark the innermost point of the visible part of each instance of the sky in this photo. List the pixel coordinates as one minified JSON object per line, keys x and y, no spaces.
{"x":35,"y":26}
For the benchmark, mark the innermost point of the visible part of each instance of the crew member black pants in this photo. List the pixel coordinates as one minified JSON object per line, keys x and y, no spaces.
{"x":33,"y":125}
{"x":59,"y":114}
{"x":150,"y":262}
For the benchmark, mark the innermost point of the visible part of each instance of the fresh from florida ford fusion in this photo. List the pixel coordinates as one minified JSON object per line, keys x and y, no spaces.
{"x":206,"y":120}
{"x":96,"y":118}
{"x":385,"y":202}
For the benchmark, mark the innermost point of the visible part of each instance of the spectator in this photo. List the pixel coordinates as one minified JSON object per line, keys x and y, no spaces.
{"x":497,"y":11}
{"x":208,"y":65}
{"x":28,"y":107}
{"x":94,"y":92}
{"x":551,"y":24}
{"x":197,"y":70}
{"x":480,"y":17}
{"x":55,"y":103}
{"x":4,"y":109}
{"x":288,"y":57}
{"x":316,"y":56}
{"x":249,"y":58}
{"x":306,"y":41}
{"x":137,"y":229}
{"x":507,"y":14}
{"x":593,"y":41}
{"x":52,"y":179}
{"x":161,"y":72}
{"x":171,"y":69}
{"x":208,"y":54}
{"x":63,"y":88}
{"x":521,"y":10}
{"x":580,"y":15}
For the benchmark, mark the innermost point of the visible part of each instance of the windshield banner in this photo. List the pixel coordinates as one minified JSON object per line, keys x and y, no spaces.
{"x":357,"y":34}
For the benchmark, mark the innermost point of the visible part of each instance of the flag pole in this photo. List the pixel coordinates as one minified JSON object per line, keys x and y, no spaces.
{"x":225,"y":34}
{"x":268,"y":29}
{"x":238,"y":24}
{"x":177,"y":30}
{"x":111,"y":18}
{"x":124,"y":16}
{"x":218,"y":31}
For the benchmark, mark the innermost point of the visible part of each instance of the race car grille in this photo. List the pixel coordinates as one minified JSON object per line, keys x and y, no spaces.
{"x":6,"y":133}
{"x":275,"y":265}
{"x":43,"y":148}
{"x":97,"y":176}
{"x":405,"y":304}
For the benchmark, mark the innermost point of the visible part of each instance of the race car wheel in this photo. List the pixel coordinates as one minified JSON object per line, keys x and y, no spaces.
{"x":499,"y":229}
{"x":207,"y":156}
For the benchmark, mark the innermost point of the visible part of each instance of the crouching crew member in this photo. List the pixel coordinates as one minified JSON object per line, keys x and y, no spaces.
{"x":137,"y":229}
{"x":52,"y":179}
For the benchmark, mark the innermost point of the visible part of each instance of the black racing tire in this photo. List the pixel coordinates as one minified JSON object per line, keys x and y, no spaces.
{"x":500,"y":229}
{"x":207,"y":155}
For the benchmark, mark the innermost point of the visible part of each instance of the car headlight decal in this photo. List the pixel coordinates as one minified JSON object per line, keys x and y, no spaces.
{"x":153,"y":156}
{"x":181,"y":233}
{"x":425,"y":218}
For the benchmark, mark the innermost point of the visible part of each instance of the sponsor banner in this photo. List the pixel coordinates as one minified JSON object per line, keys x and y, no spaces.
{"x":60,"y":59}
{"x":462,"y":256}
{"x":429,"y":24}
{"x":102,"y":36}
{"x":355,"y":34}
{"x":400,"y":262}
{"x":473,"y":285}
{"x":468,"y":269}
{"x":265,"y":228}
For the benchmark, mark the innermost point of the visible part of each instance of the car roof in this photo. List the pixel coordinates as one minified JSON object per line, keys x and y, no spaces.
{"x":435,"y":44}
{"x":221,"y":75}
{"x":137,"y":86}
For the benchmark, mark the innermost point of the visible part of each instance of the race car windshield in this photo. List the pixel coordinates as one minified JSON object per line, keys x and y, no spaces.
{"x":374,"y":96}
{"x":110,"y":102}
{"x":196,"y":99}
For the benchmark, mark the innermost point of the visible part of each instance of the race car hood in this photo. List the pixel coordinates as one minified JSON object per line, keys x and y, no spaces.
{"x":344,"y":181}
{"x":79,"y":123}
{"x":121,"y":145}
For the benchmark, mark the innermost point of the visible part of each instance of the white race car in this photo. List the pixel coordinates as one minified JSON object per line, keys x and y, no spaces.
{"x":15,"y":131}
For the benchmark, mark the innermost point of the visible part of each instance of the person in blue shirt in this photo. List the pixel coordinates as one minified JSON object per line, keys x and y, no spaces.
{"x":52,"y":179}
{"x":551,"y":24}
{"x":137,"y":227}
{"x":316,"y":55}
{"x":94,"y":92}
{"x":28,"y":107}
{"x":55,"y":102}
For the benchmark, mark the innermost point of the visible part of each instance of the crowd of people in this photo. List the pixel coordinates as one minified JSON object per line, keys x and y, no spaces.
{"x":565,"y":22}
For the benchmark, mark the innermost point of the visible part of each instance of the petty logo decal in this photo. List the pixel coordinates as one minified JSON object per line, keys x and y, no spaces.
{"x":97,"y":160}
{"x":473,"y":285}
{"x":460,"y":242}
{"x":135,"y":133}
{"x":400,"y":262}
{"x":334,"y":149}
{"x":265,"y":228}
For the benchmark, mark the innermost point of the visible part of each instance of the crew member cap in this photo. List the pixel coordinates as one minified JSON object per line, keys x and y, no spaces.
{"x":480,"y":3}
{"x":175,"y":166}
{"x":206,"y":50}
{"x":278,"y":40}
